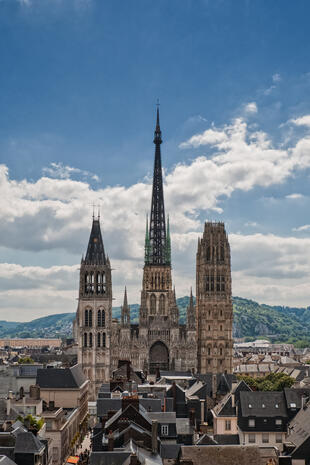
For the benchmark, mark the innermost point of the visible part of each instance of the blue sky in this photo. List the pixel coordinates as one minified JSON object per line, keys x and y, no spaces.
{"x":78,"y":84}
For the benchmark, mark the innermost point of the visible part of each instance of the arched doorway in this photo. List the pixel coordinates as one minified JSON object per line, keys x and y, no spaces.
{"x":159,"y":357}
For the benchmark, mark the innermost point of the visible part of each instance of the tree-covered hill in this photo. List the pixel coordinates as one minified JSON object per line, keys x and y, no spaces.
{"x":251,"y":320}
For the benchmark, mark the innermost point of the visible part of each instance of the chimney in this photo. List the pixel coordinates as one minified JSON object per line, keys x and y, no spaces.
{"x":110,"y":441}
{"x":133,"y":459}
{"x":34,"y":392}
{"x":214,"y":385}
{"x":233,"y":401}
{"x":154,"y":437}
{"x":8,"y":406}
{"x":192,"y":417}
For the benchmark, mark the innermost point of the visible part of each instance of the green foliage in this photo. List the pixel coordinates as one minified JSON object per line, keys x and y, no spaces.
{"x":35,"y":423}
{"x":251,"y":321}
{"x":26,"y":360}
{"x":271,"y":382}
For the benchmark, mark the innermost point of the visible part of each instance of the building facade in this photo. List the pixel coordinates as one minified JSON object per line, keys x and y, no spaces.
{"x":214,"y":309}
{"x":159,"y":341}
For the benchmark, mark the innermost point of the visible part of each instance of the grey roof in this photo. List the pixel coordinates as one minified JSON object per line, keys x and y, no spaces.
{"x":4,"y":460}
{"x":299,"y":428}
{"x":294,"y":396}
{"x":28,"y":443}
{"x":118,"y":414}
{"x":61,"y":378}
{"x":109,"y":458}
{"x":183,"y":426}
{"x":106,"y":405}
{"x":263,"y":404}
{"x":206,"y":440}
{"x":152,"y":405}
{"x":170,"y":451}
{"x":227,"y":439}
{"x":163,"y":417}
{"x":3,"y":415}
{"x":95,"y":251}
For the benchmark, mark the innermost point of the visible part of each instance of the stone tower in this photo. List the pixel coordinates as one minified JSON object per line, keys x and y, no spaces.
{"x":94,"y":313}
{"x":214,"y":310}
{"x":159,"y":314}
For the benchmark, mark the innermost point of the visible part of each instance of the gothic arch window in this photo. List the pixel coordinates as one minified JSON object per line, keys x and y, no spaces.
{"x":162,"y":304}
{"x":221,"y":350}
{"x":221,"y":327}
{"x":91,"y":285}
{"x":102,"y":318}
{"x":86,"y":321}
{"x":222,"y":283}
{"x":98,"y":340}
{"x":209,"y":350}
{"x":99,"y":318}
{"x":100,"y":282}
{"x":85,"y":339}
{"x":90,"y":339}
{"x":153,"y":304}
{"x":103,"y":339}
{"x":90,"y":318}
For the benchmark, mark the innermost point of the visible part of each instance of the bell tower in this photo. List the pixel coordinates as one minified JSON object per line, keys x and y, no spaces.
{"x":214,"y":309}
{"x":94,"y":313}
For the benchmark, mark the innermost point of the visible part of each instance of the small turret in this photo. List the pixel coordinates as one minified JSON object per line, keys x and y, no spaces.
{"x":125,"y":310}
{"x":190,"y":312}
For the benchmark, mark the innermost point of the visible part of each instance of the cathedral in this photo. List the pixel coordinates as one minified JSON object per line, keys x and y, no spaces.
{"x":204,"y":343}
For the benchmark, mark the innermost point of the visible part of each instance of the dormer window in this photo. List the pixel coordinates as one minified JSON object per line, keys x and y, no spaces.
{"x":278,"y":422}
{"x":263,"y":406}
{"x":250,"y":405}
{"x":293,"y":405}
{"x":277,"y":405}
{"x":251,"y":422}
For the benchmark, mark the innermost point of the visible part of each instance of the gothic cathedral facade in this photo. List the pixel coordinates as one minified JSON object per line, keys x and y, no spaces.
{"x":203,"y":343}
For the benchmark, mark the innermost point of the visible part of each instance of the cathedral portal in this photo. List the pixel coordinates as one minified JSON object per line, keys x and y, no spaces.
{"x":159,"y":357}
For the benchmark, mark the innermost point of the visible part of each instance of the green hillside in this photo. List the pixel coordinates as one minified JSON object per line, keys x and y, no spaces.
{"x":251,"y":320}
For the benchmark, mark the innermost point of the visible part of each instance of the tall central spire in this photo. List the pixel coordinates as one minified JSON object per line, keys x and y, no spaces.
{"x":157,"y":239}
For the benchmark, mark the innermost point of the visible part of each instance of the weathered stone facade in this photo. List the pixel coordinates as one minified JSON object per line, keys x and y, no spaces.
{"x":214,"y":309}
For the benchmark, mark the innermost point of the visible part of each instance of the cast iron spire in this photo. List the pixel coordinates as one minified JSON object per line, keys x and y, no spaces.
{"x":157,"y":235}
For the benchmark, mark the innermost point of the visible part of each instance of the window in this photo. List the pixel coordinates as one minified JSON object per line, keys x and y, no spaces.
{"x":90,"y":318}
{"x":227,"y":425}
{"x":153,"y":304}
{"x":209,"y":351}
{"x":90,"y":339}
{"x":278,"y":422}
{"x":251,"y":422}
{"x":265,"y":438}
{"x":85,"y":339}
{"x":103,"y":340}
{"x":252,"y":438}
{"x":86,"y":317}
{"x":293,"y":405}
{"x":278,"y":438}
{"x":98,"y":339}
{"x":101,"y":318}
{"x":164,"y":430}
{"x":162,"y":304}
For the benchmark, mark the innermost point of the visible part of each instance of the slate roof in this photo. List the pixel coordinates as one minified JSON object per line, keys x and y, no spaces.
{"x":227,"y":439}
{"x":95,"y":251}
{"x":263,"y":404}
{"x":109,"y":458}
{"x":294,"y":396}
{"x":163,"y":417}
{"x":106,"y":405}
{"x":61,"y":378}
{"x":170,"y":451}
{"x":221,"y":455}
{"x":4,"y":460}
{"x":28,"y":443}
{"x":3,"y":415}
{"x":206,"y":440}
{"x":299,"y":428}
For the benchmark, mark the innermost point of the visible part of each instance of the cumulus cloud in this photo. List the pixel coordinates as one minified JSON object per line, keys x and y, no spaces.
{"x":302,"y":121}
{"x":276,"y":77}
{"x":54,"y":213}
{"x":251,"y":108}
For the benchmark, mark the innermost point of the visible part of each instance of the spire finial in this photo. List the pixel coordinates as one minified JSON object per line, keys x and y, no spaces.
{"x":157,"y":133}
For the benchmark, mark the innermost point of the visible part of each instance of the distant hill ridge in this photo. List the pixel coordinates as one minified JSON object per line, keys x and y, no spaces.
{"x":251,"y":320}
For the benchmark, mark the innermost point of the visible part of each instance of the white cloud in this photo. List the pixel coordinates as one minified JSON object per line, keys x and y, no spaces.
{"x":60,"y":171}
{"x":302,"y":121}
{"x":294,"y":196}
{"x":251,"y":108}
{"x":55,"y":213}
{"x":251,"y":224}
{"x":276,"y":77}
{"x":305,"y":227}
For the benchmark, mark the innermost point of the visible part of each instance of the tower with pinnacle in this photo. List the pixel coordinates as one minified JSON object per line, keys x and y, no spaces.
{"x":94,"y":314}
{"x":159,"y":330}
{"x":214,"y":309}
